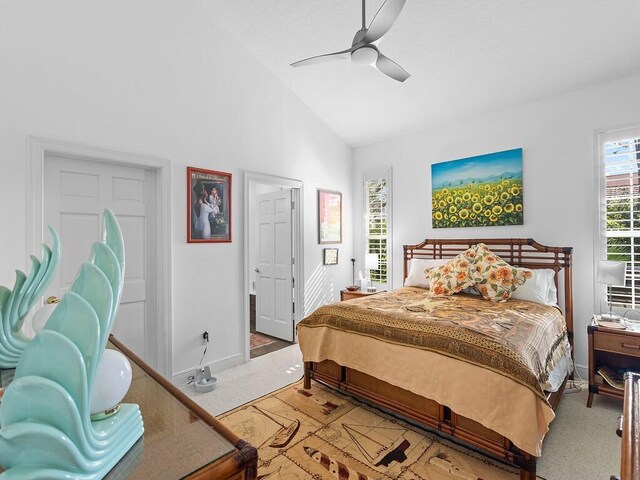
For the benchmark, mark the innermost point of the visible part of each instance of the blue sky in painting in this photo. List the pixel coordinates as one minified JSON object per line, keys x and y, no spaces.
{"x":480,"y":168}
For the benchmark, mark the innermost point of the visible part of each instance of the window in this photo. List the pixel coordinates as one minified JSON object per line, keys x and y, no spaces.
{"x":621,"y":158}
{"x":377,"y":191}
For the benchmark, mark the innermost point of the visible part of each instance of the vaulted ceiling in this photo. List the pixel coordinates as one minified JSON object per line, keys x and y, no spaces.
{"x":465,"y":57}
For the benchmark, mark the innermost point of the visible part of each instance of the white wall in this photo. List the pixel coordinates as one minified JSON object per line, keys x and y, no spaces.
{"x":159,"y":77}
{"x":557,"y":136}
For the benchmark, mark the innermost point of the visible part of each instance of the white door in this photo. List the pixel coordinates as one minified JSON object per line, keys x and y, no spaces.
{"x":76,"y":192}
{"x":274,"y":285}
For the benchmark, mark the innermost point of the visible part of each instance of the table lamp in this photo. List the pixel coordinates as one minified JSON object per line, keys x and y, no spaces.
{"x":353,"y":287}
{"x":611,"y":273}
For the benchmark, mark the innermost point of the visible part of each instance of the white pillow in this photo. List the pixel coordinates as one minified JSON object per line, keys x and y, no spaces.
{"x":417,"y":276}
{"x":540,"y":288}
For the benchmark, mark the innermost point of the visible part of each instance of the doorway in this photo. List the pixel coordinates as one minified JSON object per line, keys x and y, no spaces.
{"x":77,"y":183}
{"x":273,"y":245}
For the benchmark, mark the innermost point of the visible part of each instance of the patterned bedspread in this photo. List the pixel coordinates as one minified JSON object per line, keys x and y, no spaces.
{"x":521,"y":340}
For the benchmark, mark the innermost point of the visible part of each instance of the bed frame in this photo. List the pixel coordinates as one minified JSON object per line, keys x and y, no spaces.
{"x":521,"y":252}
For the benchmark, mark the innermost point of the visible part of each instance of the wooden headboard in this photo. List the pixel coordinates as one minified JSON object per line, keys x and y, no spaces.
{"x":520,"y":252}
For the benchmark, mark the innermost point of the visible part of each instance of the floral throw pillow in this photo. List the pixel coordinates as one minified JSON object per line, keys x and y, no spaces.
{"x":453,"y":276}
{"x":496,"y":280}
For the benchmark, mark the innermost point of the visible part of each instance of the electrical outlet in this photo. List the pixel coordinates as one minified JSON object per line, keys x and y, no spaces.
{"x":205,"y":337}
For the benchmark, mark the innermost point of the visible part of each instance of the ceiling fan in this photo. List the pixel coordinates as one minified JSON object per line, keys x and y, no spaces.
{"x":363,"y":49}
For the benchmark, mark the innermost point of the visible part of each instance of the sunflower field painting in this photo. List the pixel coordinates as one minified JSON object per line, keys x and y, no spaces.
{"x":478,"y":191}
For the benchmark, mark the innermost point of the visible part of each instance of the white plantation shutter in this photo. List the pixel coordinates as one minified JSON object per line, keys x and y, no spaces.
{"x":377,"y":226}
{"x":622,"y":214}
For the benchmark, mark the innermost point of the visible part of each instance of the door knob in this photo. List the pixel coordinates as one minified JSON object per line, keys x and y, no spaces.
{"x":257,"y":270}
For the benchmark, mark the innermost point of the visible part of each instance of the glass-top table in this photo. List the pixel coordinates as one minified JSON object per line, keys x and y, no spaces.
{"x":181,"y":439}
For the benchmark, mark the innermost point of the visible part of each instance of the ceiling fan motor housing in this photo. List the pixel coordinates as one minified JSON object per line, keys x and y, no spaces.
{"x":365,"y":56}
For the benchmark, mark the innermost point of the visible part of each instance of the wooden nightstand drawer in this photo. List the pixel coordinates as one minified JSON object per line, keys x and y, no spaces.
{"x":612,"y":342}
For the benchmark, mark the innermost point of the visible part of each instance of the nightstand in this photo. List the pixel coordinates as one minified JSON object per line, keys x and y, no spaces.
{"x":348,"y":295}
{"x":613,"y":348}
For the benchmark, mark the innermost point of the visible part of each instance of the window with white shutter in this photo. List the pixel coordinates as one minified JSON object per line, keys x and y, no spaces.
{"x":377,"y":226}
{"x":621,"y":212}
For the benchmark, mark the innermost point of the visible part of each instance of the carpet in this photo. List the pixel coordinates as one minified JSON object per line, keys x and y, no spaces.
{"x":320,"y":434}
{"x":258,"y":340}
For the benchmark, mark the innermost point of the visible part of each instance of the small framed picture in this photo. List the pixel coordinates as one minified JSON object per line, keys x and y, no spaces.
{"x":330,"y":256}
{"x":329,"y":217}
{"x":208,"y":206}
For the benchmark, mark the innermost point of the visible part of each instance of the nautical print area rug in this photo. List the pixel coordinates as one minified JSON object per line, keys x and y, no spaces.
{"x":256,"y":340}
{"x":319,"y":434}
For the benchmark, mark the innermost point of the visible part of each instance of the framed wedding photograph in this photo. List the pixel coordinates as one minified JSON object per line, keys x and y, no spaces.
{"x":208,"y":206}
{"x":330,"y":256}
{"x":329,"y":217}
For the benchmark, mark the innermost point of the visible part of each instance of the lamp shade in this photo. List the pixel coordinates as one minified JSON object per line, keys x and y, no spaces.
{"x":42,"y":315}
{"x":112,"y":381}
{"x":371,"y":261}
{"x":611,"y":273}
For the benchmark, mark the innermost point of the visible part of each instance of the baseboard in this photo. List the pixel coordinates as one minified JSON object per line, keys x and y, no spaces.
{"x":181,"y":378}
{"x":583,"y":371}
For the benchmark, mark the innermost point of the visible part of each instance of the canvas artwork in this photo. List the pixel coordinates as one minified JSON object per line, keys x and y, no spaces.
{"x":208,"y":206}
{"x":478,"y":191}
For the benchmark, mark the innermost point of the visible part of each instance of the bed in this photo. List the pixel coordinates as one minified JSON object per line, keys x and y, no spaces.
{"x":463,"y":385}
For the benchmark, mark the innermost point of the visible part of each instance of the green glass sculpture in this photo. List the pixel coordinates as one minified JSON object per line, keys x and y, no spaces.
{"x":46,"y":429}
{"x":16,"y":303}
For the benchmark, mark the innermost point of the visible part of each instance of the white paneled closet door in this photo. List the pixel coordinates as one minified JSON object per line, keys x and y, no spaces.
{"x":76,"y":192}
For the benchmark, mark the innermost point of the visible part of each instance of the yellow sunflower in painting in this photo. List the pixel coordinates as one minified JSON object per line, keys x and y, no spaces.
{"x":473,"y":203}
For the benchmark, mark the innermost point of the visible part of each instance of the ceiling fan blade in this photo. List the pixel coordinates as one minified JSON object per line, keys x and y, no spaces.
{"x":383,"y":20}
{"x":327,"y":57}
{"x":391,"y":68}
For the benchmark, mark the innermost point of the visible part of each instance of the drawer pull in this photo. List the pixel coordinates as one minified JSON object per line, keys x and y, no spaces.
{"x":620,"y":422}
{"x":627,"y":345}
